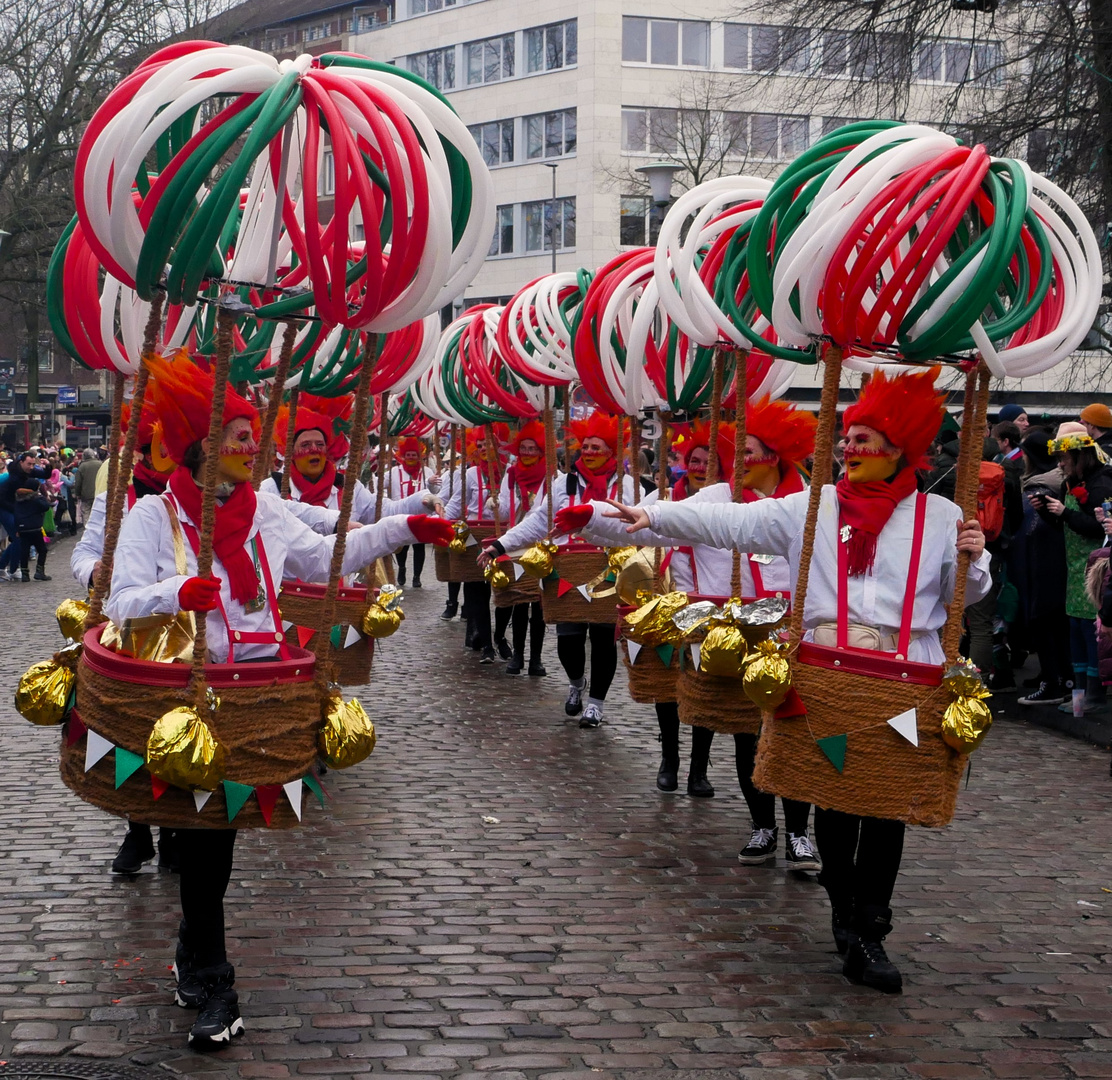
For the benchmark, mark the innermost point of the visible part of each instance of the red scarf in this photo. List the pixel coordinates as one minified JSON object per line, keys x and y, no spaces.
{"x":413,"y":470}
{"x":229,"y":538}
{"x":596,"y":486}
{"x":866,"y":508}
{"x":315,"y":492}
{"x":149,"y":477}
{"x":528,"y":477}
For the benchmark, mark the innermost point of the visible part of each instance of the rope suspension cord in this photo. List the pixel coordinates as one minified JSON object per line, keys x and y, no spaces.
{"x":550,"y":451}
{"x":291,"y":427}
{"x":741,"y":382}
{"x":715,"y":415}
{"x":266,"y":438}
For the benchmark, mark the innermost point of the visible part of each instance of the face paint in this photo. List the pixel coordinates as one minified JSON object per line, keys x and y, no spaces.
{"x":528,"y":460}
{"x":309,"y":454}
{"x":595,"y":454}
{"x":869,"y":455}
{"x":697,"y":462}
{"x":237,"y":452}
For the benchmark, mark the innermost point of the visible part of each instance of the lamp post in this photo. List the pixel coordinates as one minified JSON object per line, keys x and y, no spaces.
{"x":659,"y":175}
{"x":553,"y":165}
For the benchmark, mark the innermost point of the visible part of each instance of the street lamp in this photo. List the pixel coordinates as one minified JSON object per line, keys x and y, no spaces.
{"x":659,"y":175}
{"x":553,"y":165}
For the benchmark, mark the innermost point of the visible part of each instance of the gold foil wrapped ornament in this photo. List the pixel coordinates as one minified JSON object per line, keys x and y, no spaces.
{"x":967,"y":718}
{"x":617,"y":557}
{"x":182,"y":750}
{"x":44,"y":691}
{"x":495,"y":576}
{"x":759,"y":619}
{"x":768,"y":677}
{"x":538,"y":559}
{"x":458,"y":543}
{"x":652,"y":623}
{"x":723,"y":652}
{"x":347,"y":735}
{"x":384,"y":615}
{"x":71,"y":618}
{"x":639,"y":572}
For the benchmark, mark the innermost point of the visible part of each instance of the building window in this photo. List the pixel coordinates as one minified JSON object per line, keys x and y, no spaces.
{"x":490,"y":60}
{"x":437,"y":66}
{"x":419,"y":7}
{"x":365,"y":22}
{"x":502,"y":242}
{"x":654,"y":131}
{"x":328,"y":174}
{"x":766,"y":48}
{"x":550,"y":47}
{"x":764,"y":135}
{"x":958,"y":61}
{"x":316,"y":32}
{"x":638,"y":226}
{"x":830,"y":124}
{"x":550,"y":134}
{"x":674,"y":42}
{"x":545,"y":222}
{"x":495,"y":141}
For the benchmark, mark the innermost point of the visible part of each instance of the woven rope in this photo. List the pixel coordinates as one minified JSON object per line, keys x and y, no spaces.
{"x":578,"y":567}
{"x":495,"y":479}
{"x":649,"y":680}
{"x":526,"y":590}
{"x":266,"y":439}
{"x":461,"y":565}
{"x":310,"y":611}
{"x":715,"y":415}
{"x":715,"y":702}
{"x":549,"y":454}
{"x":741,"y":386}
{"x":291,"y":427}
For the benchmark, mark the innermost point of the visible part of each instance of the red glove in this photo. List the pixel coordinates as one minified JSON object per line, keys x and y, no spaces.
{"x":573,"y":518}
{"x":199,"y":594}
{"x":427,"y":529}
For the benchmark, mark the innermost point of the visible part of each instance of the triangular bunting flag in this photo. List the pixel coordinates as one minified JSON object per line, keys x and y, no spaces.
{"x":335,"y":635}
{"x":313,"y":784}
{"x":235,"y":795}
{"x":696,"y":655}
{"x":293,"y":793}
{"x":95,"y":749}
{"x":907,"y":726}
{"x":563,"y":586}
{"x":353,"y":637}
{"x":200,"y":798}
{"x":471,"y":541}
{"x":585,"y":592}
{"x":268,"y":796}
{"x":304,"y":635}
{"x":158,"y":787}
{"x":518,"y":571}
{"x":75,"y":728}
{"x":286,"y":624}
{"x":634,"y":648}
{"x":127,"y":765}
{"x":834,"y":747}
{"x":791,"y":706}
{"x":665,"y":653}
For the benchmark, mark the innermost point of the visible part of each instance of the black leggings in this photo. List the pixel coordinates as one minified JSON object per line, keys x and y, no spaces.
{"x":526,"y":618}
{"x":476,"y":606}
{"x":762,"y":806}
{"x":571,"y":648}
{"x":36,"y":540}
{"x":205,"y":859}
{"x":860,"y":858}
{"x":453,"y":592}
{"x":418,"y":560}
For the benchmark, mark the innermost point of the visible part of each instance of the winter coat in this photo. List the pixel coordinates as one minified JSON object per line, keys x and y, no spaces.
{"x":1037,"y":556}
{"x":31,"y":505}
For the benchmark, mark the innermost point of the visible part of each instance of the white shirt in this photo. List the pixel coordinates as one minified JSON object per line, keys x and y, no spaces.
{"x":399,"y":484}
{"x":145,"y":580}
{"x":478,"y":489}
{"x":775,"y":527}
{"x":363,"y":505}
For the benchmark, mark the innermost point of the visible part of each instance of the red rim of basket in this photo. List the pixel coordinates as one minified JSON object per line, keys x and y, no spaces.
{"x":865,"y":662}
{"x":312,"y":591}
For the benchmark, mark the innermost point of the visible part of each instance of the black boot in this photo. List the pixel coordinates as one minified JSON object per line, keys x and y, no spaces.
{"x":25,"y":574}
{"x":516,"y":664}
{"x":40,"y":570}
{"x":219,"y":1021}
{"x":536,"y":644}
{"x":137,"y":848}
{"x":841,"y":922}
{"x":190,"y":992}
{"x":503,"y":647}
{"x":667,"y":777}
{"x":698,"y":786}
{"x":866,"y":960}
{"x":167,"y":851}
{"x":450,"y":610}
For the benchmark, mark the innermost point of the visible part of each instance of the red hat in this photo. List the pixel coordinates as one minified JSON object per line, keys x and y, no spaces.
{"x":407,"y":444}
{"x":598,"y":425}
{"x":182,"y":394}
{"x":534,"y":430}
{"x":147,"y":420}
{"x":787,"y":431}
{"x":906,"y":409}
{"x":726,"y":445}
{"x":330,"y":416}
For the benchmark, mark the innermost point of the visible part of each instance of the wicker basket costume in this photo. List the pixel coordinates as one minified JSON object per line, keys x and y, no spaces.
{"x":267,"y":722}
{"x":577,"y":564}
{"x":715,"y":702}
{"x":462,"y":565}
{"x":525,"y":590}
{"x":649,"y":680}
{"x":302,"y":603}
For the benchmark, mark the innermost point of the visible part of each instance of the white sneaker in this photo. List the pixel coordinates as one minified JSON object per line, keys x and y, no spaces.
{"x":5,"y":575}
{"x":591,"y":718}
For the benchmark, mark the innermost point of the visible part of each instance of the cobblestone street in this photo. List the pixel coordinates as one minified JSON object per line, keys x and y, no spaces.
{"x":497,"y":893}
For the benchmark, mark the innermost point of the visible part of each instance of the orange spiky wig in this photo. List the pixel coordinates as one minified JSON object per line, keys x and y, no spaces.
{"x":407,"y":444}
{"x":598,"y":425}
{"x":786,"y":431}
{"x":697,"y":436}
{"x":330,"y":416}
{"x":501,"y":434}
{"x":906,"y":409}
{"x":534,"y":430}
{"x":182,"y":394}
{"x":726,"y":445}
{"x":147,"y":420}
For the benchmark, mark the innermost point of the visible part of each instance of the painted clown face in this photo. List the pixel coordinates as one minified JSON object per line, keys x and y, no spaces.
{"x":869,"y":455}
{"x":697,"y":462}
{"x":411,"y":459}
{"x":310,"y":453}
{"x":762,"y":466}
{"x":595,"y":454}
{"x":528,"y":452}
{"x":237,"y":452}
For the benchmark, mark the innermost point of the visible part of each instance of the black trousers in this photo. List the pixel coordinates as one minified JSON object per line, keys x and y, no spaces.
{"x":418,"y":560}
{"x":36,"y":540}
{"x":860,"y":859}
{"x":205,"y":858}
{"x":476,"y":606}
{"x":571,"y":648}
{"x":453,"y":592}
{"x":762,"y":806}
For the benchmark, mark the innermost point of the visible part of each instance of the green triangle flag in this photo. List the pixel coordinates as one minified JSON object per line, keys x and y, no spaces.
{"x":334,"y":637}
{"x":313,"y":785}
{"x":665,"y":653}
{"x":834,"y":747}
{"x":235,"y":795}
{"x":127,"y":765}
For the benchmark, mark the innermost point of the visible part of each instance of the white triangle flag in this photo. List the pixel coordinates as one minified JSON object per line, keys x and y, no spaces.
{"x":696,"y":655}
{"x":95,"y":748}
{"x":200,"y":798}
{"x":584,"y":592}
{"x":286,"y":624}
{"x":518,"y":571}
{"x":634,"y":649}
{"x":471,"y":541}
{"x":353,"y":637}
{"x":906,"y":725}
{"x":293,"y":793}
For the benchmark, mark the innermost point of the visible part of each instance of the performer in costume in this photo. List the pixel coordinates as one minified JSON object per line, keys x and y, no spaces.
{"x":595,"y":476}
{"x":410,"y":476}
{"x":875,"y":513}
{"x":523,"y":485}
{"x":482,"y":484}
{"x":256,"y":541}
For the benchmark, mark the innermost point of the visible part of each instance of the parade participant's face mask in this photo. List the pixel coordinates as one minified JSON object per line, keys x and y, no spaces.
{"x":869,"y":455}
{"x":411,"y":458}
{"x":697,"y":462}
{"x":528,"y":452}
{"x":595,"y":454}
{"x":237,"y":452}
{"x":762,"y":466}
{"x":309,"y":454}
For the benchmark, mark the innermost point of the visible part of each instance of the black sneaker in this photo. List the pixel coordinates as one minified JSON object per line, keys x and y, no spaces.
{"x":450,"y":610}
{"x":190,"y":992}
{"x":867,"y":963}
{"x":801,"y":854}
{"x":667,"y":778}
{"x":1002,"y":681}
{"x":537,"y":669}
{"x":591,"y":718}
{"x":40,"y":576}
{"x":574,"y":705}
{"x":760,"y":849}
{"x":516,"y":665}
{"x":137,"y":848}
{"x":488,"y":656}
{"x":841,"y":922}
{"x":504,"y":649}
{"x":218,"y":1022}
{"x":1046,"y":695}
{"x":401,"y":579}
{"x":416,"y":583}
{"x":699,"y":787}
